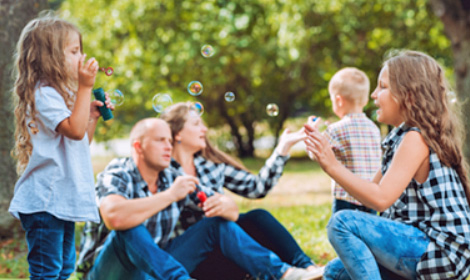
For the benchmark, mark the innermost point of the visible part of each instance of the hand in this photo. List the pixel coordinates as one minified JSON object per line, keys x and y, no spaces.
{"x":220,"y":205}
{"x":314,"y":122}
{"x":87,"y":72}
{"x":182,"y":186}
{"x":289,"y":139}
{"x":318,"y":145}
{"x":95,"y":112}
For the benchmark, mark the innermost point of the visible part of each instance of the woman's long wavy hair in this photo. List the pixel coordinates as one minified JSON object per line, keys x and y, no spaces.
{"x":39,"y":61}
{"x":418,"y":83}
{"x":177,"y":115}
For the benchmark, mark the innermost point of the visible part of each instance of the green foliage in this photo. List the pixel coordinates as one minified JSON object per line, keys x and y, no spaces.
{"x":267,"y":51}
{"x":13,"y":253}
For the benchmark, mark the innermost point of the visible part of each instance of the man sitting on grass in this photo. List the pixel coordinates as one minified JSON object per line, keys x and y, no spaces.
{"x":140,"y":200}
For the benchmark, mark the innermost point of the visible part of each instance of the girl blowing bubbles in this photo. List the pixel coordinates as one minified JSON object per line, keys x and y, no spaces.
{"x":422,"y":188}
{"x":54,"y":125}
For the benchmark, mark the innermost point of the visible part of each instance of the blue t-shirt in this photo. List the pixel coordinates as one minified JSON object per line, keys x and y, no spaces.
{"x":59,"y":176}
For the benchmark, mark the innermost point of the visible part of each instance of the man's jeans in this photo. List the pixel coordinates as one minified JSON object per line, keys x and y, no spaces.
{"x":51,"y":246}
{"x":132,"y":254}
{"x":372,"y":247}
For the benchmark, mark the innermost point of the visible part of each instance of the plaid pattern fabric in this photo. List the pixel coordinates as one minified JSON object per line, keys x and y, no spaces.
{"x":122,"y":177}
{"x":439,"y":208}
{"x":217,"y":176}
{"x":355,"y":140}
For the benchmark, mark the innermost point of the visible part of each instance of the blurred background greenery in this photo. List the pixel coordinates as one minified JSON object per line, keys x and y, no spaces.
{"x":266,"y":51}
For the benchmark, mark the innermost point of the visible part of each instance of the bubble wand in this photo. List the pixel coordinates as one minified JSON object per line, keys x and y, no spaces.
{"x":100,"y":95}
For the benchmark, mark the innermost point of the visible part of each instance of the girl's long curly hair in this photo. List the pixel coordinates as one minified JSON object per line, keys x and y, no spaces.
{"x":418,"y":83}
{"x":177,"y":115}
{"x":39,"y":61}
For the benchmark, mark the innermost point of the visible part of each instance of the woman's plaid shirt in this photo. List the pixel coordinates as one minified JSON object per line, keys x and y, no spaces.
{"x":439,"y":208}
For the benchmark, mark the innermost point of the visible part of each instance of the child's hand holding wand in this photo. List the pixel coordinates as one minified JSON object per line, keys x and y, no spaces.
{"x":318,"y":146}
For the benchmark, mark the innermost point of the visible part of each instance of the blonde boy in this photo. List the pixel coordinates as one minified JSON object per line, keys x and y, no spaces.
{"x":355,"y":139}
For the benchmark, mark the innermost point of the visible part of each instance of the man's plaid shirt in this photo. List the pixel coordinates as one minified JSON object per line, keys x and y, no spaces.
{"x":439,"y":208}
{"x":216,"y":176}
{"x":122,"y":177}
{"x":355,"y":140}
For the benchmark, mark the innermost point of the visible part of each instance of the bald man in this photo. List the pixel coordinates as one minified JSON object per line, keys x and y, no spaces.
{"x":140,"y":201}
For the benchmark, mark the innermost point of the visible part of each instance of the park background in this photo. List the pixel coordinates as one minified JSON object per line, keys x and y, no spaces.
{"x":266,"y":51}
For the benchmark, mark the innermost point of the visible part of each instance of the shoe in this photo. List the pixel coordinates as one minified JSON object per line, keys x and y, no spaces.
{"x":302,"y":274}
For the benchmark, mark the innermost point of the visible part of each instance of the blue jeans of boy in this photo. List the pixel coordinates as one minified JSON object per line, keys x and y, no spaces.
{"x":372,"y":247}
{"x":51,"y":246}
{"x":132,"y":254}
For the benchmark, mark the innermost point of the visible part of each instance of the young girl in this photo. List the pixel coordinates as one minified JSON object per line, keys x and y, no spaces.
{"x":194,"y":155}
{"x":54,"y":125}
{"x":422,"y":188}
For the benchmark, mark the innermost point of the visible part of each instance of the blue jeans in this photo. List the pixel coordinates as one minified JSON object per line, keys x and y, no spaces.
{"x":51,"y":246}
{"x":132,"y":254}
{"x":372,"y":247}
{"x":339,"y":205}
{"x":263,"y":228}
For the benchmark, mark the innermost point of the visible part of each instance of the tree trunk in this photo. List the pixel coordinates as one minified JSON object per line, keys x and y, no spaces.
{"x":455,"y":14}
{"x":14,"y":14}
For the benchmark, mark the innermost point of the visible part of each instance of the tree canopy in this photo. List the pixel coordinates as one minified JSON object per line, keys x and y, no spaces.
{"x":266,"y":51}
{"x":281,"y":52}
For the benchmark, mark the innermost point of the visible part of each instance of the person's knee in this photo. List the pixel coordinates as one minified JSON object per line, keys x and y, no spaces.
{"x":339,"y":223}
{"x":132,"y":232}
{"x":258,"y":215}
{"x":219,"y":226}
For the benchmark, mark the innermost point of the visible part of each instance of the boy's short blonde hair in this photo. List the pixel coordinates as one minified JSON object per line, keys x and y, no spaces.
{"x":352,"y":84}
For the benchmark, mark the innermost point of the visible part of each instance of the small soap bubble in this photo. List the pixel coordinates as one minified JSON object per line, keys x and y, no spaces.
{"x":117,"y":97}
{"x":161,"y":101}
{"x":198,"y":108}
{"x":195,"y":88}
{"x":207,"y":51}
{"x":108,"y":71}
{"x":272,"y":110}
{"x":452,"y":97}
{"x":229,"y":96}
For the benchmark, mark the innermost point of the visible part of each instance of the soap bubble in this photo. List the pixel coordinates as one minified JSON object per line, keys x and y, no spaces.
{"x":272,"y":110}
{"x":195,"y":88}
{"x":108,"y":71}
{"x":198,"y":108}
{"x":207,"y":51}
{"x":452,"y":97}
{"x":117,"y":97}
{"x":161,"y":101}
{"x":229,"y":96}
